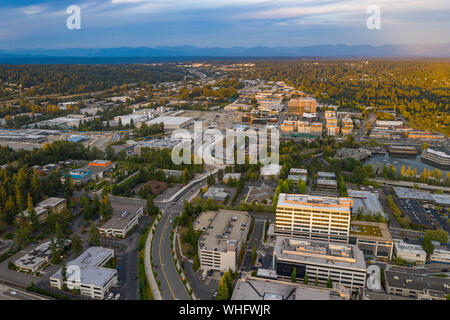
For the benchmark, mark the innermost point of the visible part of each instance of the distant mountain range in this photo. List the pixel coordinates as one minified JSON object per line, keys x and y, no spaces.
{"x":340,"y":50}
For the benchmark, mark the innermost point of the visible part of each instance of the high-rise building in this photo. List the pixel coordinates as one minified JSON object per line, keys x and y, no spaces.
{"x":313,"y":217}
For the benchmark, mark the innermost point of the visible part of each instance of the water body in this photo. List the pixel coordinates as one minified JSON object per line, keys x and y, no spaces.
{"x":398,"y":161}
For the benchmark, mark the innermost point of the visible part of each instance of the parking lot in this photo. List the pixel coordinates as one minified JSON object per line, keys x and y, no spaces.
{"x":414,"y":210}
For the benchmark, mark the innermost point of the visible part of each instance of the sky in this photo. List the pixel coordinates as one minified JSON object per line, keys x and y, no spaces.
{"x":34,"y":24}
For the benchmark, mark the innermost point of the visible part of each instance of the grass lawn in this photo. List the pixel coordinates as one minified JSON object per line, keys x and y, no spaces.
{"x":373,"y":231}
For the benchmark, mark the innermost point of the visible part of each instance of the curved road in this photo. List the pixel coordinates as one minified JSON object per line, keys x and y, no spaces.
{"x":172,"y":288}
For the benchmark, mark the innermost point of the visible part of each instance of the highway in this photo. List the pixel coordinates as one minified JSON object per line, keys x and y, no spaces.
{"x":172,"y":288}
{"x":9,"y":293}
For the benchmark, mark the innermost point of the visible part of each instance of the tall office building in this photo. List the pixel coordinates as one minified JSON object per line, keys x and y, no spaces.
{"x":313,"y":217}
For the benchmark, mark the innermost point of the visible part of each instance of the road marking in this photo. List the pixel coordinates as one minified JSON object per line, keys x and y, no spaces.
{"x":160,"y":260}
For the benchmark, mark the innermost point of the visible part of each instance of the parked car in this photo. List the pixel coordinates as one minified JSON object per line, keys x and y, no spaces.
{"x":215,"y":293}
{"x":210,"y":272}
{"x":117,"y":297}
{"x":13,"y":293}
{"x":204,"y":273}
{"x":110,"y":296}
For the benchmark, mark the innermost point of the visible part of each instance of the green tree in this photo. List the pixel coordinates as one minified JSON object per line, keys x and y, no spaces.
{"x":77,"y":244}
{"x":294,"y":275}
{"x":301,"y":186}
{"x":254,"y":254}
{"x":94,"y":235}
{"x":64,"y":276}
{"x":305,"y":278}
{"x":329,"y":282}
{"x":316,"y":281}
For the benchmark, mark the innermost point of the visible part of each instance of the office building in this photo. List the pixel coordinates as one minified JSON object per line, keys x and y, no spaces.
{"x":409,"y":252}
{"x":43,"y":208}
{"x":126,"y":215}
{"x":172,"y":122}
{"x":343,"y":264}
{"x":418,"y":286}
{"x":255,"y":288}
{"x":440,"y":255}
{"x":223,"y":234}
{"x":216,"y":194}
{"x":313,"y":217}
{"x":87,"y":274}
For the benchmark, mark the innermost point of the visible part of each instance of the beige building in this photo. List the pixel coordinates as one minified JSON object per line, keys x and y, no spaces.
{"x":313,"y":217}
{"x":224,"y":231}
{"x":43,"y":208}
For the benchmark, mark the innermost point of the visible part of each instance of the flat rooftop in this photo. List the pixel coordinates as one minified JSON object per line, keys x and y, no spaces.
{"x":366,"y":200}
{"x":318,"y":252}
{"x":270,"y":169}
{"x":310,"y":201}
{"x":225,"y":229}
{"x":413,"y":281}
{"x":370,"y":230}
{"x":124,"y":210}
{"x":298,"y":171}
{"x":409,"y":248}
{"x":170,"y":120}
{"x":253,"y":288}
{"x":325,"y":175}
{"x":89,"y":263}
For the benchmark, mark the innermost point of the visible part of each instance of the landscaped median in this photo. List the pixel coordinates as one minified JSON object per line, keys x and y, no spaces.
{"x":148,"y":260}
{"x":173,"y":237}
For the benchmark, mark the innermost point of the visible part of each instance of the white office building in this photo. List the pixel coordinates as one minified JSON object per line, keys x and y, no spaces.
{"x":87,"y":274}
{"x":409,"y":252}
{"x":343,"y":264}
{"x":223,"y":234}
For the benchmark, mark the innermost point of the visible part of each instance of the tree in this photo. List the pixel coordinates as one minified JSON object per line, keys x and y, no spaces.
{"x":427,"y":247}
{"x":305,"y":278}
{"x":316,"y":281}
{"x":220,"y":175}
{"x":55,"y":258}
{"x":254,"y":254}
{"x":329,"y":282}
{"x":436,"y":235}
{"x":94,"y":235}
{"x":294,"y":275}
{"x":64,"y":276}
{"x":223,"y":292}
{"x":301,"y":186}
{"x":34,"y":220}
{"x":152,"y":209}
{"x":77,"y":244}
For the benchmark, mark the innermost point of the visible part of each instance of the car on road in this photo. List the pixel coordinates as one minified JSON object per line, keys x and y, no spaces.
{"x":117,"y":297}
{"x":135,"y":277}
{"x":13,"y":293}
{"x":210,"y":272}
{"x":215,"y":294}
